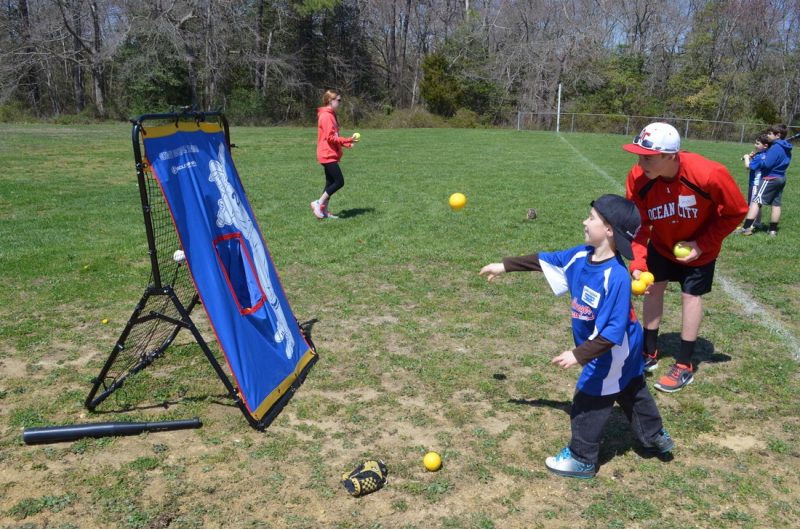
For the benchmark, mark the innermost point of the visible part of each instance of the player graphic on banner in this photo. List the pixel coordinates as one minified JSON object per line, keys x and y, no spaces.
{"x":232,"y":213}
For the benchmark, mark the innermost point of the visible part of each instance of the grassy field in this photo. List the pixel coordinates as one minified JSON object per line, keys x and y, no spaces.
{"x":416,"y":351}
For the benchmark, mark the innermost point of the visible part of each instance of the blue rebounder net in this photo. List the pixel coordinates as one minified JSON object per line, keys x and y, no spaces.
{"x":206,"y":249}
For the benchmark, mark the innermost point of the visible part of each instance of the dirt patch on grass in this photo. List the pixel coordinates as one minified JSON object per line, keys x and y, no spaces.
{"x":12,"y":367}
{"x":737,"y":443}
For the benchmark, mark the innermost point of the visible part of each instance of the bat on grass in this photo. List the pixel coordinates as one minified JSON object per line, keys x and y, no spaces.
{"x":58,"y":434}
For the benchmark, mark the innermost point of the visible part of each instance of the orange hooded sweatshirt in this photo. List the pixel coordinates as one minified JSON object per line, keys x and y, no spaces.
{"x":329,"y":143}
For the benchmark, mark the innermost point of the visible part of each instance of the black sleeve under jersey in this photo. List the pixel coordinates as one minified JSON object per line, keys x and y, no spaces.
{"x":524,"y":263}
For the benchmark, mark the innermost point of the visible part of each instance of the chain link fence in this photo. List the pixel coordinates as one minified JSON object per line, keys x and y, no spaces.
{"x":631,"y":125}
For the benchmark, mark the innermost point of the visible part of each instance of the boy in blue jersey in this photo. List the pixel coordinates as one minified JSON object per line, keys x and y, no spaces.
{"x":607,"y":335}
{"x":753,"y":161}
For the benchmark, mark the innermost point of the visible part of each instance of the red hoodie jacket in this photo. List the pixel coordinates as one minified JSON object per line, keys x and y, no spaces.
{"x":329,"y":143}
{"x":702,"y":204}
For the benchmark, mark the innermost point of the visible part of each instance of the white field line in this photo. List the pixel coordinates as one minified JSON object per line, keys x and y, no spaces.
{"x":748,"y":305}
{"x":759,"y":314}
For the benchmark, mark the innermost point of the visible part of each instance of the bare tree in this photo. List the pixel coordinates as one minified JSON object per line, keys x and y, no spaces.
{"x":710,"y":58}
{"x":96,"y":29}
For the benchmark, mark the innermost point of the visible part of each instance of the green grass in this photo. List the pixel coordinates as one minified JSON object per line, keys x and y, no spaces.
{"x":416,"y":351}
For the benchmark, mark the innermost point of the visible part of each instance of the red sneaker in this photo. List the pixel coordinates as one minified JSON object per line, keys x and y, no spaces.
{"x":679,"y":375}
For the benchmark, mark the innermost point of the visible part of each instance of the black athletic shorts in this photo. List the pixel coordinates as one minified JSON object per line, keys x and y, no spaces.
{"x":694,"y":280}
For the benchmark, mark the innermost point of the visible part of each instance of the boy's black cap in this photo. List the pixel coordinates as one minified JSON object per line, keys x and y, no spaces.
{"x":623,"y":216}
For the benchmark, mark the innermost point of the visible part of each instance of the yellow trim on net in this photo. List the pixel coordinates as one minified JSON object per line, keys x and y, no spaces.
{"x":160,"y":131}
{"x":284,"y":386}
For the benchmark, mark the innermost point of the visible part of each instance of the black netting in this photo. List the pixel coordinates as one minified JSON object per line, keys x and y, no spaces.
{"x":154,"y":323}
{"x":151,"y":330}
{"x":174,"y":274}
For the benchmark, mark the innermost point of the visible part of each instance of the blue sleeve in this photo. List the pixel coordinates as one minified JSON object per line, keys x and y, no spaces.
{"x":614,"y":313}
{"x":560,"y":258}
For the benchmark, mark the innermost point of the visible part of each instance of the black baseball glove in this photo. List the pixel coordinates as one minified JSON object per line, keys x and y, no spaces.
{"x":368,"y":477}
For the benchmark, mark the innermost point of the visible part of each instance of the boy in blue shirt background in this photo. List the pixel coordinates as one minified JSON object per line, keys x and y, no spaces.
{"x":753,"y":161}
{"x":607,"y":335}
{"x":773,"y":179}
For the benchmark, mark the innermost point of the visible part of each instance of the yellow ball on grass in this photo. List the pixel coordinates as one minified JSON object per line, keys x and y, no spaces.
{"x":457,"y":201}
{"x":432,"y":461}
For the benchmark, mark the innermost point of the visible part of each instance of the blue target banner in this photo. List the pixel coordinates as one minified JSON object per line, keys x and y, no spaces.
{"x":228,"y":261}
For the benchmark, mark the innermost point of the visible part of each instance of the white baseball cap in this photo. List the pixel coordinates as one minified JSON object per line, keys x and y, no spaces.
{"x":656,"y":138}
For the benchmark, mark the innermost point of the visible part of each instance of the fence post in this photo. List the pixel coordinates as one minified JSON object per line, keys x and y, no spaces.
{"x":741,"y":138}
{"x":686,"y":130}
{"x":572,"y":125}
{"x":518,"y":114}
{"x":627,"y":126}
{"x":558,"y":111}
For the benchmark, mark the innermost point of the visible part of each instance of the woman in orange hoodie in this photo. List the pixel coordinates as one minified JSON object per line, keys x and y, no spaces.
{"x":329,"y":151}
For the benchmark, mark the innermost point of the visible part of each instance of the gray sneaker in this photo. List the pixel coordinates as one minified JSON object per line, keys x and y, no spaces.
{"x":662,"y":444}
{"x":678,"y":377}
{"x":650,"y":361}
{"x":565,"y":465}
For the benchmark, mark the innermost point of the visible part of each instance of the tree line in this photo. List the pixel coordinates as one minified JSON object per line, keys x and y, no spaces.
{"x":268,"y":61}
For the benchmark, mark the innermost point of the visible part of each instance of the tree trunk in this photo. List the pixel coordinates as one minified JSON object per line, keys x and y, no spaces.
{"x":210,"y":84}
{"x":265,"y":69}
{"x":191,"y":60}
{"x":97,"y":62}
{"x":402,"y":67}
{"x":391,"y":67}
{"x":260,"y":77}
{"x":29,"y":78}
{"x":78,"y":95}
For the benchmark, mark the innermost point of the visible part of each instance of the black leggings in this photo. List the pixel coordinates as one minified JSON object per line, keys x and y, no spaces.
{"x":590,"y":413}
{"x":334,"y":179}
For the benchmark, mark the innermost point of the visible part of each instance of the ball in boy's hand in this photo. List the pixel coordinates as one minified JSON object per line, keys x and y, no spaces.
{"x":638,"y":287}
{"x":647,"y":277}
{"x":457,"y":201}
{"x":680,"y":251}
{"x":356,"y":136}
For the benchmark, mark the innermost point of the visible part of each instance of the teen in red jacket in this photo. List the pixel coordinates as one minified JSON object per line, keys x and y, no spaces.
{"x":682,"y":197}
{"x":329,"y":151}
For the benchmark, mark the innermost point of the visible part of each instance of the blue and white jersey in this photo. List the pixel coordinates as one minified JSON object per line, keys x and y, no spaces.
{"x":601,"y":306}
{"x":755,"y":168}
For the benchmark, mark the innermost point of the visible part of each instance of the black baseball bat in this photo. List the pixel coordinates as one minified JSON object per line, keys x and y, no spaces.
{"x":58,"y":434}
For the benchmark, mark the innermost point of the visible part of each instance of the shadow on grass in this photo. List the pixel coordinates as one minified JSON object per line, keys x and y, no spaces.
{"x":670,"y":343}
{"x":354,"y":212}
{"x":618,"y":439}
{"x":222,"y":400}
{"x":307,"y":326}
{"x":562,"y":405}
